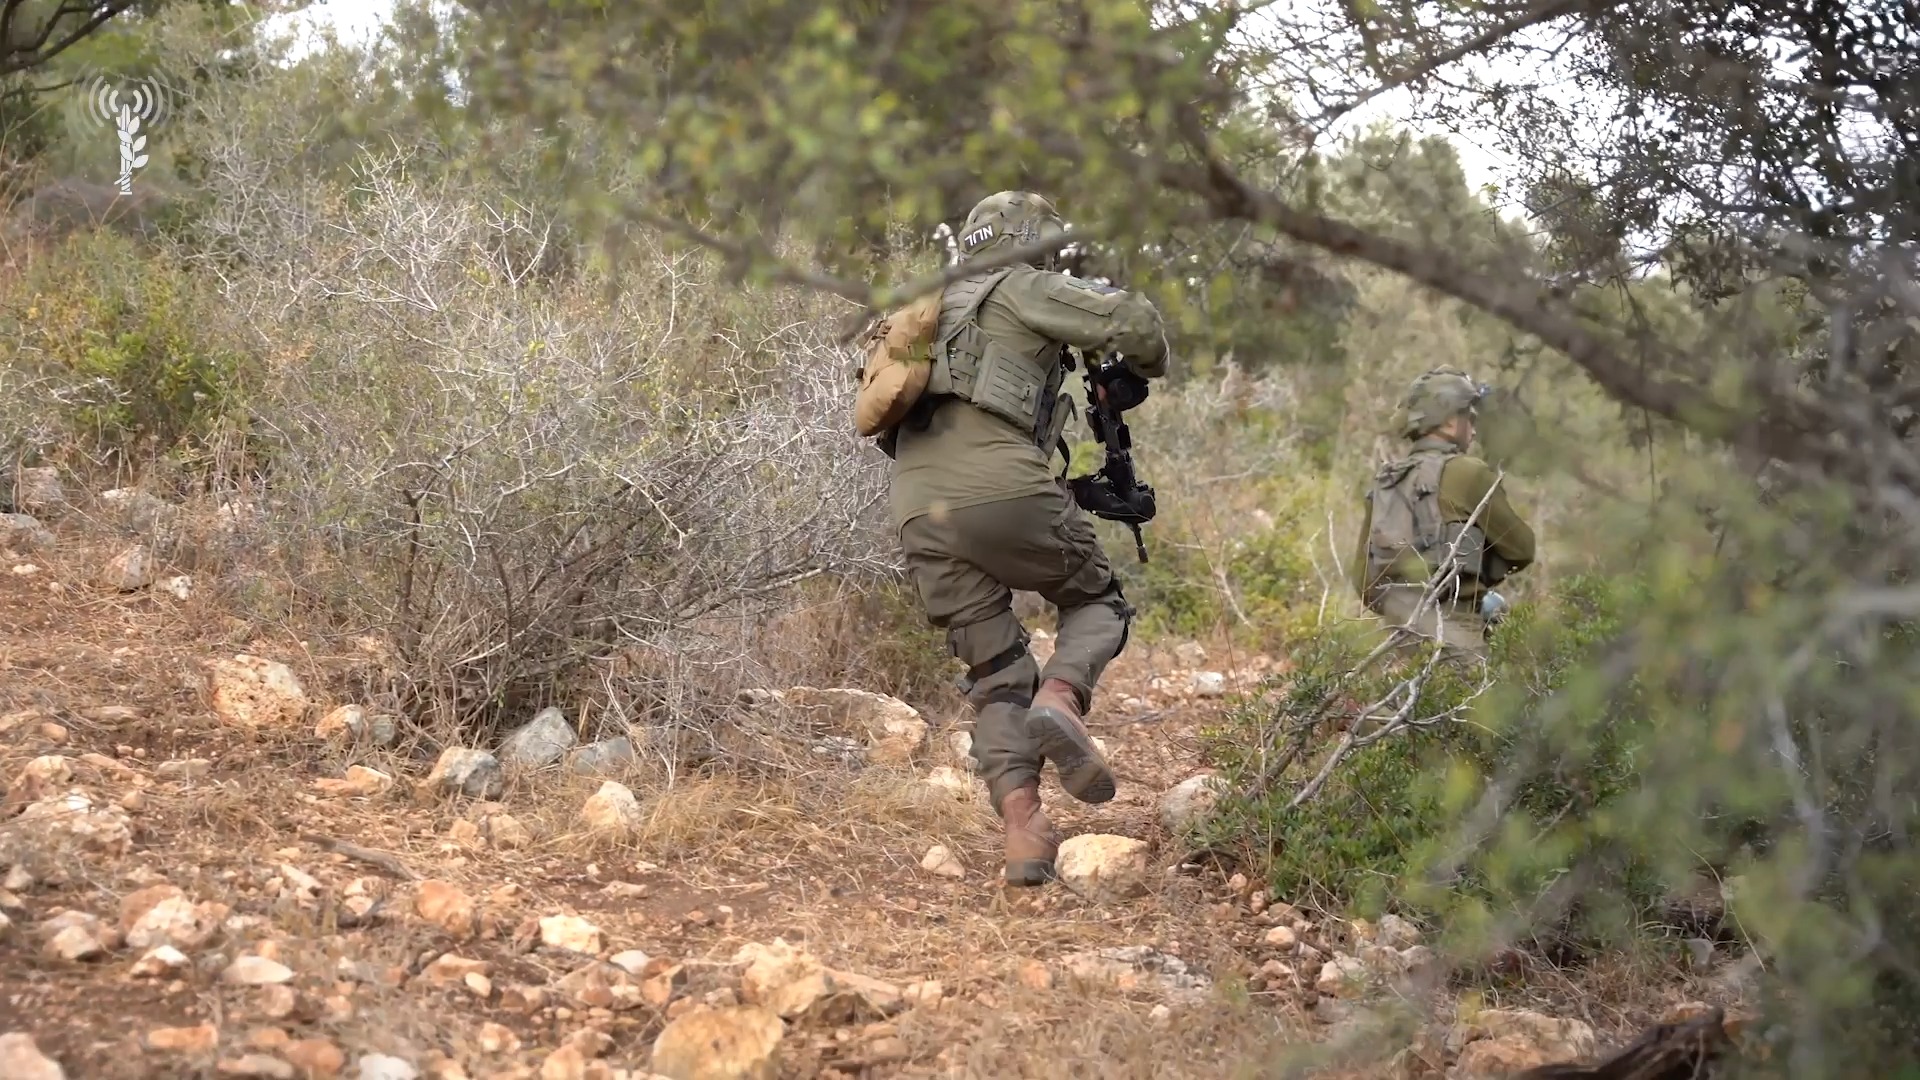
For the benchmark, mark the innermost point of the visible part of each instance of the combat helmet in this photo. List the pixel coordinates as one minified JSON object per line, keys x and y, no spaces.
{"x":1435,"y":397}
{"x":1010,"y":219}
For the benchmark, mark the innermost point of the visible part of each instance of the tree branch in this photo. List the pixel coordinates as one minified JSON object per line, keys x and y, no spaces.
{"x":1792,"y":430}
{"x":746,"y":254}
{"x":1486,"y":39}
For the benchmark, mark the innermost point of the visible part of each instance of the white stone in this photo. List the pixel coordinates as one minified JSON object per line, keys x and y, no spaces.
{"x":1103,"y":868}
{"x":938,"y":860}
{"x":158,"y":962}
{"x":1209,"y":684}
{"x":570,"y":932}
{"x":541,"y":741}
{"x":1187,"y":803}
{"x":467,"y":771}
{"x":21,"y":1059}
{"x":256,"y":971}
{"x":894,"y":731}
{"x":386,"y":1067}
{"x":129,"y":571}
{"x":612,"y":809}
{"x":250,"y":691}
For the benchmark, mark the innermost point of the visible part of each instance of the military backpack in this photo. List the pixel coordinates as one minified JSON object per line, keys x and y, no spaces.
{"x":1410,"y":540}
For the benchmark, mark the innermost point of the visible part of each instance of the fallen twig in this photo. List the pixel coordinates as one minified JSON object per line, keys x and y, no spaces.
{"x":384,"y":860}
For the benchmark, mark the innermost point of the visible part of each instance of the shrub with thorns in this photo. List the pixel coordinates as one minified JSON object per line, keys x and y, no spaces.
{"x":511,"y":480}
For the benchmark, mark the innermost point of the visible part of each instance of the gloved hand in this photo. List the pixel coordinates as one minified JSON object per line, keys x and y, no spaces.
{"x":1493,"y":607}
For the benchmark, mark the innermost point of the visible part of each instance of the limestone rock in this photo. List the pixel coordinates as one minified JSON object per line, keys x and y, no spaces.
{"x":947,"y":782}
{"x":385,"y":1067}
{"x":740,"y":1042}
{"x":39,"y":491}
{"x":166,"y":917}
{"x":601,"y":986}
{"x":250,"y":691}
{"x":540,"y":741}
{"x":21,"y":1059}
{"x":893,"y":730}
{"x":256,"y":971}
{"x":129,"y":571}
{"x":497,"y":1039}
{"x":359,"y":780}
{"x":1486,"y":1059}
{"x":1209,"y":684}
{"x":791,"y":982}
{"x":76,"y":943}
{"x":1135,"y":967}
{"x":314,"y":1057}
{"x":1034,"y":975}
{"x":506,"y":832}
{"x":200,"y":1039}
{"x":603,"y":758}
{"x":352,"y":723}
{"x":1190,"y":801}
{"x":612,"y":809}
{"x":780,"y":977}
{"x":1103,"y":868}
{"x":570,"y":932}
{"x":466,"y":771}
{"x":41,"y":778}
{"x":159,"y":962}
{"x":960,"y":751}
{"x":74,"y":816}
{"x":1506,"y":1036}
{"x":1282,"y":938}
{"x":1397,"y":933}
{"x":22,"y":532}
{"x":938,"y":860}
{"x":445,"y":905}
{"x":1343,"y":977}
{"x":139,"y":511}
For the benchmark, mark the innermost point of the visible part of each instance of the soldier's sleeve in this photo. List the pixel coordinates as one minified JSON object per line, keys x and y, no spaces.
{"x":1089,"y":316}
{"x":1463,"y":483}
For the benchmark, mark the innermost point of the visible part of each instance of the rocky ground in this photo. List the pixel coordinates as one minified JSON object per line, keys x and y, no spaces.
{"x":215,"y":866}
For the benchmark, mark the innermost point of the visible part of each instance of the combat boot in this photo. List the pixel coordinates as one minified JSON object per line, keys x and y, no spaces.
{"x":1053,"y":722}
{"x":1032,"y":841}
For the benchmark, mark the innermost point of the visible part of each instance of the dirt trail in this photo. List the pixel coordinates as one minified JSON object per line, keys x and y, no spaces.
{"x":105,"y":694}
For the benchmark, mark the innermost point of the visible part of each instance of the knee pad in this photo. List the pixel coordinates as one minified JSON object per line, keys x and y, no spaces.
{"x":982,"y":667}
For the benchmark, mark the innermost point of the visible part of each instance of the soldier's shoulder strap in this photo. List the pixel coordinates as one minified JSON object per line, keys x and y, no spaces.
{"x":963,"y":298}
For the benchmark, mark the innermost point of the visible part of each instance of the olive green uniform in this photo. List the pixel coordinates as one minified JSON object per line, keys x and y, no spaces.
{"x":1454,"y":620}
{"x":981,"y":512}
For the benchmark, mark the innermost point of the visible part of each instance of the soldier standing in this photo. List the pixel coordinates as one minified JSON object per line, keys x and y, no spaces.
{"x":981,"y":513}
{"x":1417,"y":513}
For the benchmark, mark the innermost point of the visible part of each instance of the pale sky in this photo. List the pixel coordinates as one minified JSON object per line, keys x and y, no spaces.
{"x":357,"y":21}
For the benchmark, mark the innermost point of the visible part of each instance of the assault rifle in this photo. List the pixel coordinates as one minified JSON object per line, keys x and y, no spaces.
{"x":1113,"y":492}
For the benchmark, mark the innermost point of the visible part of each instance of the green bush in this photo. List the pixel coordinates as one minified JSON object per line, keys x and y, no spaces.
{"x":136,"y":342}
{"x":1178,"y":592}
{"x":1382,"y":820}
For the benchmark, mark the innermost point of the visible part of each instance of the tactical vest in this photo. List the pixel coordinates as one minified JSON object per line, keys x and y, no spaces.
{"x":1410,"y":538}
{"x":971,"y":366}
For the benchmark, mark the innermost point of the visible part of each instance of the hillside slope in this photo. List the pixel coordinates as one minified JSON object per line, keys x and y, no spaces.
{"x":208,"y":873}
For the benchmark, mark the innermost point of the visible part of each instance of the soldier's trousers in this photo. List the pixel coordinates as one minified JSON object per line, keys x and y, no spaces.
{"x":967,"y":563}
{"x":1459,"y":628}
